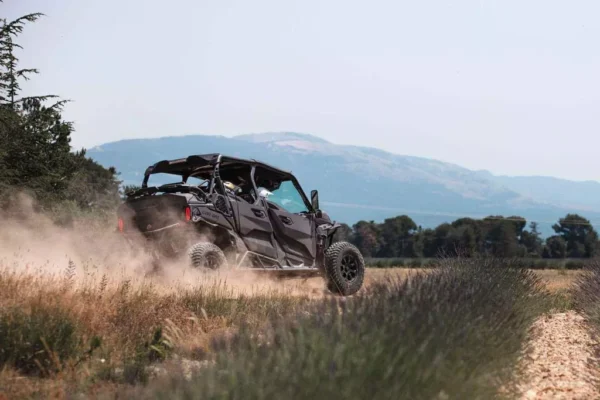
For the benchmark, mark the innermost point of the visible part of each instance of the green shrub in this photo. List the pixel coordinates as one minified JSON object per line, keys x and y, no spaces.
{"x":156,"y":350}
{"x":455,"y":332}
{"x":430,"y":263}
{"x":561,"y":301}
{"x":516,"y":262}
{"x":38,"y":342}
{"x":574,"y":264}
{"x":415,"y":263}
{"x":524,"y":262}
{"x":396,"y":262}
{"x":586,"y":292}
{"x":384,"y":262}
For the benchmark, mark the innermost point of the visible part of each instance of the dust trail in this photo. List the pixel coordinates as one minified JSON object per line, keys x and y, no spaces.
{"x":563,"y":362}
{"x":92,"y":248}
{"x":30,"y":240}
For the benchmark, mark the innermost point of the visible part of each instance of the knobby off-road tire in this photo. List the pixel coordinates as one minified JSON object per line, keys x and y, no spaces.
{"x":345,"y":268}
{"x":207,"y":255}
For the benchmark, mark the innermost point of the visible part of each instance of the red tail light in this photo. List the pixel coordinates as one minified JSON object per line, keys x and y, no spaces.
{"x":188,"y":213}
{"x":121,"y":224}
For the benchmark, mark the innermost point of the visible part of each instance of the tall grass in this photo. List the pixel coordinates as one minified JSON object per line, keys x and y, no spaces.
{"x":37,"y":341}
{"x":56,"y":323}
{"x":456,"y":332}
{"x":586,"y":293}
{"x":451,"y":332}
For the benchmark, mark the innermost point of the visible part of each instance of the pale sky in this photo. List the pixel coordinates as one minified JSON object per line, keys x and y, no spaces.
{"x":509,"y":86}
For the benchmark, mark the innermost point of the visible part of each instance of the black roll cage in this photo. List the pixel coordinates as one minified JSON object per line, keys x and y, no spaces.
{"x":192,"y":165}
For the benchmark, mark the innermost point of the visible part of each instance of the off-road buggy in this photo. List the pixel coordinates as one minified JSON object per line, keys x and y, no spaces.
{"x":226,"y":212}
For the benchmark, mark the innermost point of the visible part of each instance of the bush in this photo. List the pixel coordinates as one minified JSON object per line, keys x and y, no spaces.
{"x":540,"y":264}
{"x":455,"y":332}
{"x":38,"y":342}
{"x":522,"y":262}
{"x":414,"y":263}
{"x":586,"y":293}
{"x":561,"y":300}
{"x":430,"y":263}
{"x":573,"y":264}
{"x":136,"y":369}
{"x":384,"y":262}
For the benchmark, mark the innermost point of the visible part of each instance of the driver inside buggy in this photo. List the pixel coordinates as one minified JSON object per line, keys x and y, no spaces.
{"x":276,"y":189}
{"x":243,"y":190}
{"x":236,"y":182}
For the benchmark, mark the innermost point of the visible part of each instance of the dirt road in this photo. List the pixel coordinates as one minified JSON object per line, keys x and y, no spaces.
{"x":562,"y":363}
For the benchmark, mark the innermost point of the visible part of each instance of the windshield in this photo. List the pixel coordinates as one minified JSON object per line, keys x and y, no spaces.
{"x":288,"y":198}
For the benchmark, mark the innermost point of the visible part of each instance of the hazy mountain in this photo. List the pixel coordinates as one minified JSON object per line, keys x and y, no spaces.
{"x":583,"y":195}
{"x":365,"y":183}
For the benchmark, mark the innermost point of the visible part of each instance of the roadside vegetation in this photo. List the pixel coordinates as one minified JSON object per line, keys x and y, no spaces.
{"x":586,"y":293}
{"x":62,"y":332}
{"x":453,"y":333}
{"x":531,"y":263}
{"x":450,"y":332}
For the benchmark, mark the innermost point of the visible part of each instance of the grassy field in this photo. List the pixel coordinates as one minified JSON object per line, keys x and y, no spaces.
{"x":558,"y":280}
{"x":531,"y":263}
{"x":553,"y":279}
{"x":416,"y":333}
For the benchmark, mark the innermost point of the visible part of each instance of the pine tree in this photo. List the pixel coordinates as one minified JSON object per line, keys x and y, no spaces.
{"x":35,"y":149}
{"x":10,"y":73}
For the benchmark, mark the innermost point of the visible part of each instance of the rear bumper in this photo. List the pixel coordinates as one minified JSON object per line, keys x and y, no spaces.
{"x":165,"y":241}
{"x":161,"y":230}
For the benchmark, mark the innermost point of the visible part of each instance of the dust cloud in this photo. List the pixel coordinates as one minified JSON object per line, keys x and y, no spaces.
{"x":91,"y":248}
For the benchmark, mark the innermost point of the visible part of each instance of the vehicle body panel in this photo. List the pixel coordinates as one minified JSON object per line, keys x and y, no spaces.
{"x":257,"y":232}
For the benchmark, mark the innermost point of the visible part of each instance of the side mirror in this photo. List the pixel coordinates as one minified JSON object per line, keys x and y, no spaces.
{"x":314,"y":199}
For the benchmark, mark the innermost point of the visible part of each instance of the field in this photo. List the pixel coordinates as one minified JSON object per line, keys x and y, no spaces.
{"x":531,"y":263}
{"x":126,"y":337}
{"x":82,"y":317}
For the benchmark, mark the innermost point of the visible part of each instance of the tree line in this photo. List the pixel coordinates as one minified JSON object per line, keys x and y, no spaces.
{"x":35,"y":152}
{"x":497,"y":236}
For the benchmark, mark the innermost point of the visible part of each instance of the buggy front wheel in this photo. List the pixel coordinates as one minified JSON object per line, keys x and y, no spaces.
{"x":344,"y":268}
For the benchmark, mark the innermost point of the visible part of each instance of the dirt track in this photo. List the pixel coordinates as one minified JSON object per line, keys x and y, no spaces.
{"x":563,"y":363}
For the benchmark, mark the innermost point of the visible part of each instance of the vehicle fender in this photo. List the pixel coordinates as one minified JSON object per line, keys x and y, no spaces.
{"x":328,"y":229}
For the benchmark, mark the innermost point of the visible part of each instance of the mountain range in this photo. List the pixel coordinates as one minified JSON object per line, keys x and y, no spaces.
{"x":362,"y":183}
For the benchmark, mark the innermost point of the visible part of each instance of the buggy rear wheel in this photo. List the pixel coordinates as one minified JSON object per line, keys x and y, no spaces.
{"x":345,"y":268}
{"x":207,"y":255}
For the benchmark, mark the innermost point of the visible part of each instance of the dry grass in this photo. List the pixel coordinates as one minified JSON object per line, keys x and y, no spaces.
{"x":558,"y":279}
{"x":125,"y":313}
{"x":453,"y":333}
